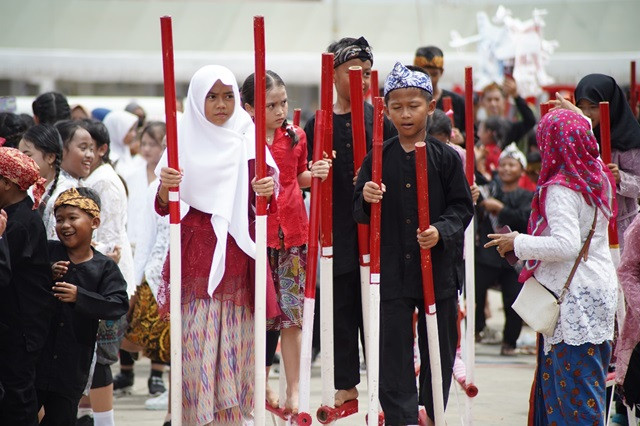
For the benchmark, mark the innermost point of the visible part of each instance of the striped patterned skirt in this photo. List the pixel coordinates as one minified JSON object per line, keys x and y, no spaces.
{"x":217,"y":363}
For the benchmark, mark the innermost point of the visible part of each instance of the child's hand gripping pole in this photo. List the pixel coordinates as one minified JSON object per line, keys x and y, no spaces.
{"x":260,"y":315}
{"x":427,"y":286}
{"x":469,"y":247}
{"x":359,"y":152}
{"x":310,"y":287}
{"x":326,"y":239}
{"x":175,"y":251}
{"x":373,"y":361}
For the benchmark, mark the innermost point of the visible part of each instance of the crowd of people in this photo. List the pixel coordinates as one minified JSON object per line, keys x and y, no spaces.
{"x":85,"y":240}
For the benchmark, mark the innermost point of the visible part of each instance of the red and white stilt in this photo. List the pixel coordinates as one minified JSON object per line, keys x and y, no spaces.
{"x":260,"y":315}
{"x":614,"y":245}
{"x":175,"y":251}
{"x":433,"y":340}
{"x":373,"y":360}
{"x":326,"y":239}
{"x":304,"y":416}
{"x":469,"y":251}
{"x":356,"y":87}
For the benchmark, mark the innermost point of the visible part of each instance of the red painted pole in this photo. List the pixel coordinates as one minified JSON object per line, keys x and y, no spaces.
{"x":260,"y":100}
{"x":314,"y":212}
{"x":447,"y":107}
{"x":359,"y":147}
{"x":326,"y":140}
{"x":468,"y":106}
{"x":424,"y":223}
{"x":296,"y":117}
{"x":605,"y":146}
{"x":374,"y":88}
{"x":633,"y":94}
{"x":376,"y":176}
{"x":544,"y":108}
{"x":170,"y":111}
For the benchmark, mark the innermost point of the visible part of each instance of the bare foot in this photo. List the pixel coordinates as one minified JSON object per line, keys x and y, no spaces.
{"x":271,"y":397}
{"x":291,"y":404}
{"x":344,"y":395}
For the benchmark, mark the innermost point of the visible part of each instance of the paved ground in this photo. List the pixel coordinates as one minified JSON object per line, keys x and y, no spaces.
{"x":503,"y":383}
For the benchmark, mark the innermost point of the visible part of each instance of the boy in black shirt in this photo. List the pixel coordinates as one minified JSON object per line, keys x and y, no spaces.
{"x":347,"y":302}
{"x":409,"y":102}
{"x":88,"y":287}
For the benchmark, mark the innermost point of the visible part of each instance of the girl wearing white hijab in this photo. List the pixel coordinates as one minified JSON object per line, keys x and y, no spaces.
{"x":122,"y":127}
{"x":217,"y":156}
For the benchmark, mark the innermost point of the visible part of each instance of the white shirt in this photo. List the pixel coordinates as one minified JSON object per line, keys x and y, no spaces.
{"x":137,"y":184}
{"x":587,"y":312}
{"x":113,"y":219}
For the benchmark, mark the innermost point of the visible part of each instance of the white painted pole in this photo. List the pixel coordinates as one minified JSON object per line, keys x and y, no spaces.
{"x":470,"y":319}
{"x":175,"y":319}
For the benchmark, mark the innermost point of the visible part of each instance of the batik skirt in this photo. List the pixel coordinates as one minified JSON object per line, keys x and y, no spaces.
{"x":217,"y":363}
{"x":570,"y":385}
{"x":288,"y":271}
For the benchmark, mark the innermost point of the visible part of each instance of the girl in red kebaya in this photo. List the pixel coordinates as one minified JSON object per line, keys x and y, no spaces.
{"x":287,"y":229}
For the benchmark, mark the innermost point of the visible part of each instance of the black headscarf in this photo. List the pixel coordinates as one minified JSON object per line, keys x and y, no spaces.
{"x":359,"y":49}
{"x":625,"y":130}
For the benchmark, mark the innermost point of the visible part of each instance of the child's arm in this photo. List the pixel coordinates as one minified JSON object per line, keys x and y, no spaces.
{"x":110,"y":301}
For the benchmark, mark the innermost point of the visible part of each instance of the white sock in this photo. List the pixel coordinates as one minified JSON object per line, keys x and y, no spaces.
{"x":104,"y":418}
{"x":84,"y":411}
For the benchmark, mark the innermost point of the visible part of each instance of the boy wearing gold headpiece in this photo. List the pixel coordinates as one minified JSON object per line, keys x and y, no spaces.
{"x":88,"y":287}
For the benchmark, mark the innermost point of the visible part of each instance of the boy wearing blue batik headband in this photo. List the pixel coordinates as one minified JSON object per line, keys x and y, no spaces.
{"x":408,"y":103}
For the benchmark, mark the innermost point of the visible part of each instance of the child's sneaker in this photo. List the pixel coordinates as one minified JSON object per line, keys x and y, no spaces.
{"x":156,"y":386}
{"x":160,"y":402}
{"x":123,"y":383}
{"x":85,"y":421}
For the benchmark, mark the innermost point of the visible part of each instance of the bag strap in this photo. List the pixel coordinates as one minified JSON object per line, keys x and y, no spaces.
{"x":583,"y":254}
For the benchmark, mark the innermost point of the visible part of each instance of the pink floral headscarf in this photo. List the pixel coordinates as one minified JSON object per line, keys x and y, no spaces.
{"x":570,"y":158}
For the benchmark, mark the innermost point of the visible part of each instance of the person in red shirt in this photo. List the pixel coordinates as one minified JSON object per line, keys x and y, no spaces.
{"x":287,"y":228}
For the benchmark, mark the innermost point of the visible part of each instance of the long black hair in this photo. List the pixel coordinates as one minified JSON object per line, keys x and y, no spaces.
{"x":46,"y":139}
{"x":273,"y":80}
{"x":99,"y":134}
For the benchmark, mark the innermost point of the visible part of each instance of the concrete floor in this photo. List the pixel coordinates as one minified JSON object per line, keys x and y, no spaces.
{"x":503,"y":383}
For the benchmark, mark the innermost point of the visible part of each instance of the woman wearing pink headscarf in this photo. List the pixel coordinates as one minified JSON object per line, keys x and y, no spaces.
{"x":574,"y":186}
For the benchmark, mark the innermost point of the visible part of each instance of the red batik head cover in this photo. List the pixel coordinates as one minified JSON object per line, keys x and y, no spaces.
{"x":570,"y":158}
{"x":23,"y":171}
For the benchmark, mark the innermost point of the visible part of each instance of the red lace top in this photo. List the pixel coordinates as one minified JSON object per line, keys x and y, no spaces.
{"x":198,"y":243}
{"x":291,"y":215}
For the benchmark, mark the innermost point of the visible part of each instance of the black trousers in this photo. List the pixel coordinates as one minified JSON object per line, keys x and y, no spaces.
{"x":347,"y":327}
{"x":272,"y":344}
{"x":507,"y":278}
{"x":59,"y":409}
{"x":19,"y":405}
{"x":398,"y":394}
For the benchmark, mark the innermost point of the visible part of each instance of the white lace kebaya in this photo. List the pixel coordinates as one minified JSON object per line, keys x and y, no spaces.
{"x":587,"y":312}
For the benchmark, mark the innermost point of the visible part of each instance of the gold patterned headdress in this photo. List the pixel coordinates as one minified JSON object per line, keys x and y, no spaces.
{"x":71,"y":197}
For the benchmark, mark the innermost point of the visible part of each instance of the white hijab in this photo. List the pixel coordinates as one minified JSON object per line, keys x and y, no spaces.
{"x":118,"y":123}
{"x":215,"y":164}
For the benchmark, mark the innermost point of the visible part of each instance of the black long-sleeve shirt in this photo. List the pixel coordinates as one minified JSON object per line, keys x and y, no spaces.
{"x":450,"y":211}
{"x":345,"y":232}
{"x":64,"y":365}
{"x":26,"y":306}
